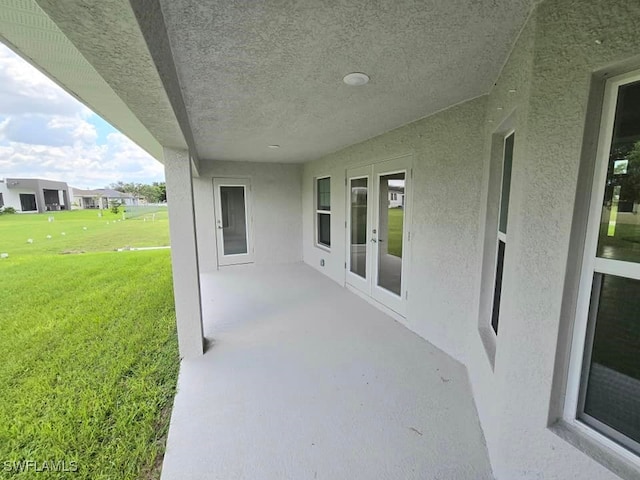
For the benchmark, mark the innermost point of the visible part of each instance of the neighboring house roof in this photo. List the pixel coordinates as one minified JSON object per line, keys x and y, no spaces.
{"x":78,"y":192}
{"x":35,"y":183}
{"x":100,"y":192}
{"x":110,"y":193}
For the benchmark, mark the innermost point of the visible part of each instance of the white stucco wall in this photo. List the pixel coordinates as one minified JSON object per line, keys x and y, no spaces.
{"x":276,"y":203}
{"x":571,"y":43}
{"x":506,"y":109}
{"x":446,"y":205}
{"x":184,"y":252}
{"x":543,"y":92}
{"x":11,"y":197}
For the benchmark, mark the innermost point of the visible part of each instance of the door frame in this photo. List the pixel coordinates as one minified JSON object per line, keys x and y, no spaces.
{"x":356,"y":281}
{"x":241,"y":258}
{"x":369,"y":286}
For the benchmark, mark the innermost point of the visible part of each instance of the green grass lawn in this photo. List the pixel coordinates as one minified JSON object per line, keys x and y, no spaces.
{"x":623,"y":245}
{"x":88,"y":351}
{"x":84,"y":231}
{"x":396,"y":220}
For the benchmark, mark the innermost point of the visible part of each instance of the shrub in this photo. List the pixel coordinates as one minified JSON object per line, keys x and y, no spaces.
{"x":115,"y":206}
{"x":7,"y":210}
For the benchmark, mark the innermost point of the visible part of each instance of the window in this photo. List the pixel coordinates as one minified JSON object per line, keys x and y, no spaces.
{"x":604,"y":383}
{"x":323,"y":211}
{"x":28,"y":202}
{"x":505,"y":190}
{"x":1,"y":201}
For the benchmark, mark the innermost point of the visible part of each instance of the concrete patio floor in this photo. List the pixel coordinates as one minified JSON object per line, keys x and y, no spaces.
{"x":305,"y":380}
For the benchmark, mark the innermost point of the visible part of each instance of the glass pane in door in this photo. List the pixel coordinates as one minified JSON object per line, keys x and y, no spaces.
{"x":619,"y":237}
{"x":391,"y":231}
{"x":234,"y":220}
{"x":359,"y":194}
{"x":612,"y":394}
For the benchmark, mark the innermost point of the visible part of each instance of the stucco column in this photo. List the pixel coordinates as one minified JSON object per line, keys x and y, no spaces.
{"x":40,"y":204}
{"x":65,"y":197}
{"x":184,"y":252}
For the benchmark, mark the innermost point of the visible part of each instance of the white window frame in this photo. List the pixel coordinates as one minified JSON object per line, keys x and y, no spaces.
{"x":591,"y":265}
{"x":501,"y":236}
{"x":321,"y":212}
{"x":492,"y":235}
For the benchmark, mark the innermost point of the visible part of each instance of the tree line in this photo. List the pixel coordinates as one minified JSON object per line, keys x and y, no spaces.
{"x":154,"y":193}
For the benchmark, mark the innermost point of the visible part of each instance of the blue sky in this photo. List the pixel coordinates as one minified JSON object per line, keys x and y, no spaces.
{"x":46,"y":133}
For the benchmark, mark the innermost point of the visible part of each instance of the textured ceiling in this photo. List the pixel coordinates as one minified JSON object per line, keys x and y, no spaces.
{"x":107,"y":34}
{"x":230,"y":77}
{"x":27,"y":29}
{"x":270,"y":72}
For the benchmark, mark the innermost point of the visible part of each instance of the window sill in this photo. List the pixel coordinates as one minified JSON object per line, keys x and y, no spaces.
{"x":604,"y":455}
{"x":324,"y":248}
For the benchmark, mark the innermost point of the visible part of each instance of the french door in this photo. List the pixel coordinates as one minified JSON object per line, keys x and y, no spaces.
{"x":378,"y":212}
{"x":233,"y":220}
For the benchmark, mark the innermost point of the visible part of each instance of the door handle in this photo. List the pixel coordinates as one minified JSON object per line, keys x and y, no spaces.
{"x":219,"y":227}
{"x":373,"y":240}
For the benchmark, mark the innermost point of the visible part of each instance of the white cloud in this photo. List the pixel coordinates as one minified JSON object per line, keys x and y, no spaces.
{"x":81,"y":165}
{"x":25,"y":90}
{"x":52,"y":130}
{"x":46,"y":133}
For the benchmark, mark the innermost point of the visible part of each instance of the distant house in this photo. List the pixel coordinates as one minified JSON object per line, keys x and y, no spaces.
{"x":34,"y":195}
{"x":101,"y":198}
{"x":396,"y":196}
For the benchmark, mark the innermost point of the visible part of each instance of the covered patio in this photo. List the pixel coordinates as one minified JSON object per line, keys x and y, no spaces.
{"x":454,"y":163}
{"x":296,"y":386}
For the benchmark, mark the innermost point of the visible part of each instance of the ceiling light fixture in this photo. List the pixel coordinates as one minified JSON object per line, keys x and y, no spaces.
{"x":273,"y":147}
{"x":356,"y":79}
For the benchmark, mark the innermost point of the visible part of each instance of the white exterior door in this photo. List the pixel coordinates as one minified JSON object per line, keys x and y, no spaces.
{"x":378,"y":213}
{"x":233,"y":220}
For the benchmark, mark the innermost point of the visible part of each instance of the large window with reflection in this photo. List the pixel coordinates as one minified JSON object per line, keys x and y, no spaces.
{"x":607,"y":371}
